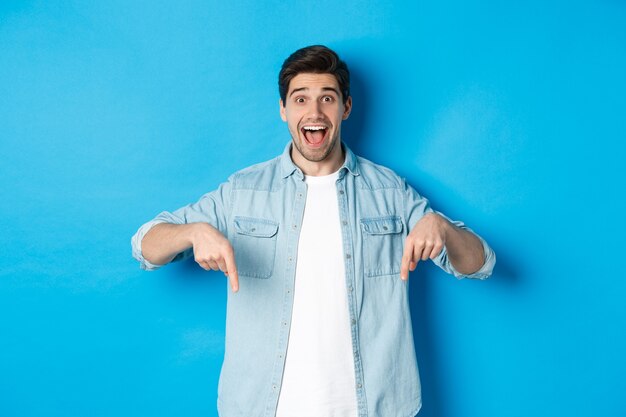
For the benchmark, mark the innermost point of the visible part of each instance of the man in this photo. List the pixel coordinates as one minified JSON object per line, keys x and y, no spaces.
{"x":317,"y":245}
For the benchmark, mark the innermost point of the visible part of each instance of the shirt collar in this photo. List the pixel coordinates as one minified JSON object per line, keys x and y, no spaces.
{"x":288,"y":168}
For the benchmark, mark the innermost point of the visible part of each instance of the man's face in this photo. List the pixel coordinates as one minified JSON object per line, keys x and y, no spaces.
{"x":314,"y":110}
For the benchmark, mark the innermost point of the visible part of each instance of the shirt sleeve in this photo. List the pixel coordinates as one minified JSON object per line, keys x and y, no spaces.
{"x":211,"y":209}
{"x":416,"y":207}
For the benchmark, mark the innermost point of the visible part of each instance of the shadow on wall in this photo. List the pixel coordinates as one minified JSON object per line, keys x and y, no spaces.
{"x":355,"y":127}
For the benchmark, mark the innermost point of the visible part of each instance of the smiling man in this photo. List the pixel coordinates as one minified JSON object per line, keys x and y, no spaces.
{"x":314,"y":110}
{"x":317,"y":245}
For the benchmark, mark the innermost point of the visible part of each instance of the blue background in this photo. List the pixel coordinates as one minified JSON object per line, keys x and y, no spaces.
{"x":509,"y":116}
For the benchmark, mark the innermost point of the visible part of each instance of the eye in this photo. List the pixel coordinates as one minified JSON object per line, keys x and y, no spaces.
{"x":299,"y":99}
{"x":327,"y":99}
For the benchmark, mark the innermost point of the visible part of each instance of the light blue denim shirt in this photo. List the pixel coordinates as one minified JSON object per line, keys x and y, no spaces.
{"x":259,"y":210}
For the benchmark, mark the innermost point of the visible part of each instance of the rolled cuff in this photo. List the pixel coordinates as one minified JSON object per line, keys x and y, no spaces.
{"x":135,"y":242}
{"x":484,"y":272}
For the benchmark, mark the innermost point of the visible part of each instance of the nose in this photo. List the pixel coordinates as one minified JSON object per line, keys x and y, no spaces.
{"x":315,"y":109}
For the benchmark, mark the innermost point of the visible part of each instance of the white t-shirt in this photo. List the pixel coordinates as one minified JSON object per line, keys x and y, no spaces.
{"x":318,"y":379}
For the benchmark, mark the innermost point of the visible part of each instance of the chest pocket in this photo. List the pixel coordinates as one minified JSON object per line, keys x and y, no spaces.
{"x":254,"y":244}
{"x":382,"y":245}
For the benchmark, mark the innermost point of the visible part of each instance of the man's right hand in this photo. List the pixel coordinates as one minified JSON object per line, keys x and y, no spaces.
{"x":210,"y":247}
{"x":212,"y":250}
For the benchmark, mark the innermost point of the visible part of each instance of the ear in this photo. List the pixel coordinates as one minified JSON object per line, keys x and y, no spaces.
{"x":283,"y":114}
{"x":347,"y":108}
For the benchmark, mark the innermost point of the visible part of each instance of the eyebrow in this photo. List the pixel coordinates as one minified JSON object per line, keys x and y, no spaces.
{"x":307,"y":88}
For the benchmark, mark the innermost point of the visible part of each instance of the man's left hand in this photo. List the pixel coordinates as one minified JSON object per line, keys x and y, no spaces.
{"x":425,"y":241}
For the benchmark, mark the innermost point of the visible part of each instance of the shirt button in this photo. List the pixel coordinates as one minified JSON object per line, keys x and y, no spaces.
{"x":295,"y":226}
{"x":290,"y":259}
{"x":274,"y":387}
{"x":341,"y":192}
{"x":350,"y":288}
{"x":348,"y":256}
{"x":353,"y":322}
{"x":344,"y":222}
{"x":358,"y":385}
{"x":385,"y":228}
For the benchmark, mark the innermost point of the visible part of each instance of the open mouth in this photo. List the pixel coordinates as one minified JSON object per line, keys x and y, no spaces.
{"x":314,"y":133}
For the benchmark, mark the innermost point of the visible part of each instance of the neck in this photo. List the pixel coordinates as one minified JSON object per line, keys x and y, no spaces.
{"x":330,"y":164}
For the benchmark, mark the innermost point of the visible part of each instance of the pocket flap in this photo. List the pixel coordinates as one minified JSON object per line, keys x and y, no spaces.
{"x":382,"y":225}
{"x":255,"y":227}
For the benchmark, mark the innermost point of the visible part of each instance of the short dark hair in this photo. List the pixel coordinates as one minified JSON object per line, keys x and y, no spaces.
{"x":317,"y":59}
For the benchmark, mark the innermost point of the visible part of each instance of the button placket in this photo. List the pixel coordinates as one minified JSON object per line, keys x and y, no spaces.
{"x":351,"y":282}
{"x":296,"y":217}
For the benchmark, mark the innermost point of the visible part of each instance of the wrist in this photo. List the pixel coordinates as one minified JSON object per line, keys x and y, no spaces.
{"x":197,"y":232}
{"x":446,"y":226}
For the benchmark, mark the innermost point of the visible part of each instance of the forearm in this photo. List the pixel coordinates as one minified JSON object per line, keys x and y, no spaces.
{"x":465,"y":250}
{"x":165,"y":240}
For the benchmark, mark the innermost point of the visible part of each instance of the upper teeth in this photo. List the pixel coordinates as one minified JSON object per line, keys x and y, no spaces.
{"x":314,"y":127}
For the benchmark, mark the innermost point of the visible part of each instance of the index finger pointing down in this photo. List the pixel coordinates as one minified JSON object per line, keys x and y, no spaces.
{"x":231,"y":271}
